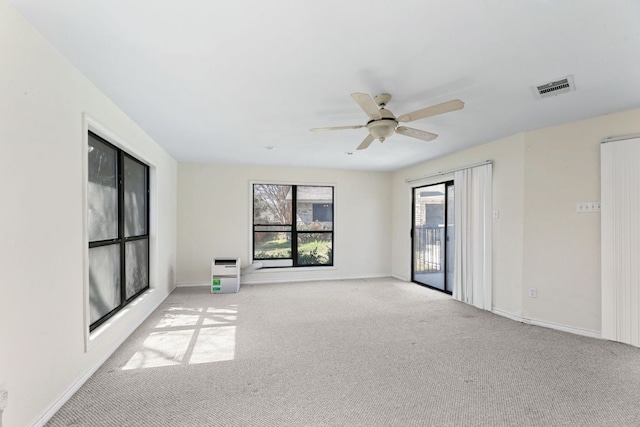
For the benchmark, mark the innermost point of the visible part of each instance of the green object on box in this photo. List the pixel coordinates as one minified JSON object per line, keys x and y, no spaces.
{"x":216,"y":288}
{"x":216,"y":281}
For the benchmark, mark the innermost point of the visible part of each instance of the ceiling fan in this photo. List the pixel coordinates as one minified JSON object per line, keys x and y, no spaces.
{"x":383,"y":123}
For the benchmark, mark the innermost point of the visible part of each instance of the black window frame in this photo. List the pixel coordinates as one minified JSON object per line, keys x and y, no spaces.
{"x":295,"y":233}
{"x":446,"y":262}
{"x":121,"y":238}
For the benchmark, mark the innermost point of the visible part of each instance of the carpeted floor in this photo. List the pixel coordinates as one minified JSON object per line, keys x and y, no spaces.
{"x":352,"y":353}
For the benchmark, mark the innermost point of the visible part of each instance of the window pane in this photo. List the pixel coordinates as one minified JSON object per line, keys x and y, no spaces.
{"x":104,"y":280}
{"x":135,"y":198}
{"x":270,"y":245}
{"x":137,"y":265}
{"x":314,"y":209}
{"x":272,"y":204}
{"x":102,"y":191}
{"x":315,"y":249}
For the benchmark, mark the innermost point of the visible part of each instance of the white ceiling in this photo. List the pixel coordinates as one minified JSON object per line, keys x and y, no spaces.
{"x":219,"y":81}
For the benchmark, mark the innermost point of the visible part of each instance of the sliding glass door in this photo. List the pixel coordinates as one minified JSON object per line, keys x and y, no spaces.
{"x":433,"y":236}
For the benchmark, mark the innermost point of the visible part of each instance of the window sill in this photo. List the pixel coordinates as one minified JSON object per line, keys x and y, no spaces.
{"x":293,"y":269}
{"x":93,"y":336}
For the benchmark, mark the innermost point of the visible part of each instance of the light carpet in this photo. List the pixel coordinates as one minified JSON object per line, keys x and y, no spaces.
{"x":377,"y":352}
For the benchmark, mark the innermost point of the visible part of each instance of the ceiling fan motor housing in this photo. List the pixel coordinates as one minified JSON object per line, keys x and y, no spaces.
{"x":382,"y":99}
{"x":383,"y":127}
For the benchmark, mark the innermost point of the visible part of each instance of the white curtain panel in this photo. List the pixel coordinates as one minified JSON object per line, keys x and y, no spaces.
{"x":473,"y":272}
{"x":620,"y":232}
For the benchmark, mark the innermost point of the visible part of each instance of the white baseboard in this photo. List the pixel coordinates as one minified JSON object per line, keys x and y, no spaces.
{"x":55,"y":407}
{"x":550,"y":325}
{"x":192,"y":284}
{"x":247,"y":281}
{"x":508,"y":315}
{"x":315,"y":279}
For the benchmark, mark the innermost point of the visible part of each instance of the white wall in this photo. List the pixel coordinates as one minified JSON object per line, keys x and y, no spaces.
{"x":508,"y":178}
{"x":42,"y":329}
{"x":214,"y":220}
{"x":540,"y":241}
{"x":562,"y":247}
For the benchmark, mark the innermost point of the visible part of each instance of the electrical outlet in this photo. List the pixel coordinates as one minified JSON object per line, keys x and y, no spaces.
{"x":4,"y":397}
{"x":588,"y":207}
{"x":533,"y":293}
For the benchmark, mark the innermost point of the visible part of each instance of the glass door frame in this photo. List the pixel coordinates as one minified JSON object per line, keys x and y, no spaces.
{"x":444,"y":250}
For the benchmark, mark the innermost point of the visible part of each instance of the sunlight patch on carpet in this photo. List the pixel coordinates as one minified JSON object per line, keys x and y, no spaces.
{"x":187,"y":336}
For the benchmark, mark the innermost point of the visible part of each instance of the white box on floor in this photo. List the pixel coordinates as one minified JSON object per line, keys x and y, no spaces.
{"x":225,"y":275}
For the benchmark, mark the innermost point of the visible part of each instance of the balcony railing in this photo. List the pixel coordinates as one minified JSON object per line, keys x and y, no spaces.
{"x":428,"y":247}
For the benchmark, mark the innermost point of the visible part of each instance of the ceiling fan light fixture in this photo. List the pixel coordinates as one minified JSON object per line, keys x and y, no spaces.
{"x":384,"y":123}
{"x":381,"y":129}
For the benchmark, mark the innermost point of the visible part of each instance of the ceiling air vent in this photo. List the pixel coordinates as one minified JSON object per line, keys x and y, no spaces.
{"x":555,"y":87}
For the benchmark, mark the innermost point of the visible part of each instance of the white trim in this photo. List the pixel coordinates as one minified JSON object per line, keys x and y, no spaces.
{"x":95,"y":334}
{"x":278,"y":182}
{"x":551,"y":325}
{"x":431,"y":180}
{"x":267,"y":270}
{"x":508,"y":315}
{"x":91,"y":124}
{"x":193,"y":284}
{"x":448,"y":171}
{"x":276,"y":263}
{"x":55,"y":407}
{"x":85,"y":234}
{"x":311,"y":279}
{"x":258,"y":282}
{"x":619,"y":138}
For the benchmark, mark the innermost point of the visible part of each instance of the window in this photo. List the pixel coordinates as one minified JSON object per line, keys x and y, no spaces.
{"x":322,"y":212}
{"x":118,"y":229}
{"x":282,"y":239}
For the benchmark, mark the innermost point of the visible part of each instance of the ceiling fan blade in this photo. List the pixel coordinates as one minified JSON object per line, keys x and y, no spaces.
{"x":434,"y":110}
{"x":337,"y":128}
{"x":366,"y":142}
{"x":416,"y":133}
{"x":367,"y":103}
